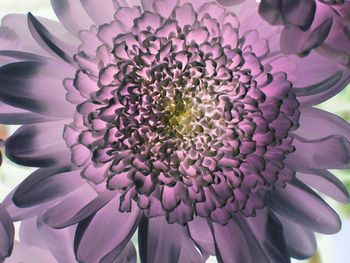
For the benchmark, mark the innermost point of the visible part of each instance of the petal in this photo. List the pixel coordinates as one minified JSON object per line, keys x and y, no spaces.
{"x":319,"y":87}
{"x":23,"y":253}
{"x":189,"y":253}
{"x":300,"y":241}
{"x":11,"y":115}
{"x":330,"y":152}
{"x":105,"y":231}
{"x":127,"y":255}
{"x":269,"y":232}
{"x":49,"y":42}
{"x":18,"y":23}
{"x":230,"y":2}
{"x":300,"y":204}
{"x":316,"y":123}
{"x":235,"y":241}
{"x":300,"y":13}
{"x":38,"y":145}
{"x":72,"y":15}
{"x":11,"y":56}
{"x":164,"y":7}
{"x":46,"y":184}
{"x":296,"y":41}
{"x":19,"y":213}
{"x":327,"y":183}
{"x":159,"y":241}
{"x":36,"y":86}
{"x":77,"y":207}
{"x":201,"y":234}
{"x":58,"y":241}
{"x":185,"y":15}
{"x":101,"y":12}
{"x":7,"y":233}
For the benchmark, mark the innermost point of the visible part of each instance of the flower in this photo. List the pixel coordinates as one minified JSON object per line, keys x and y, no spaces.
{"x":179,"y":119}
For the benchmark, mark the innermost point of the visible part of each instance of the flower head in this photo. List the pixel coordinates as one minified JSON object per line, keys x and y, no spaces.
{"x":180,"y":114}
{"x":181,"y":119}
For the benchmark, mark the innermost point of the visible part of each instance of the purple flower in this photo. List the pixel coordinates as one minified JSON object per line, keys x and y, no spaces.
{"x":179,"y":119}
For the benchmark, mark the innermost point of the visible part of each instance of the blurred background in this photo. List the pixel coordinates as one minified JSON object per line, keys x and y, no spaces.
{"x":331,"y":249}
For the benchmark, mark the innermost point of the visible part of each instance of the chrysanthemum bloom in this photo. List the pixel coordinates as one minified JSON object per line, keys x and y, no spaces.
{"x":177,"y":119}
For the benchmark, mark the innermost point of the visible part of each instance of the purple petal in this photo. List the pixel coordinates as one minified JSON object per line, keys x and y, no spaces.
{"x":34,"y":232}
{"x":36,"y":86}
{"x":327,"y":183}
{"x":300,"y":204}
{"x":20,"y":214}
{"x":72,"y":15}
{"x":269,"y":232}
{"x":101,"y":12}
{"x":58,"y":241}
{"x":230,"y":2}
{"x":201,"y":235}
{"x":48,"y":41}
{"x":127,"y":255}
{"x":330,"y":152}
{"x":24,"y":40}
{"x":38,"y":145}
{"x":235,"y":241}
{"x":11,"y":115}
{"x":7,"y":233}
{"x":317,"y":123}
{"x":159,"y":241}
{"x":300,"y":241}
{"x":105,"y":231}
{"x":46,"y":184}
{"x":189,"y":253}
{"x":76,"y":208}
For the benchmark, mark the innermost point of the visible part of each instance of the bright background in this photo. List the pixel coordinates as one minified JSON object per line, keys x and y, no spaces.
{"x":331,"y":249}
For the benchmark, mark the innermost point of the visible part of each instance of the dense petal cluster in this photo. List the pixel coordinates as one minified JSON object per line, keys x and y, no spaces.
{"x":181,"y":114}
{"x":182,"y":120}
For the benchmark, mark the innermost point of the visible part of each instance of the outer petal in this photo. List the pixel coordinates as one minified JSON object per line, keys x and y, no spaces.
{"x":269,"y":232}
{"x":159,"y":241}
{"x":36,"y":86}
{"x":301,"y":242}
{"x":19,"y":214}
{"x":235,"y":241}
{"x":49,"y":42}
{"x":101,"y":12}
{"x":317,"y":123}
{"x":202,"y":236}
{"x":330,"y":152}
{"x":34,"y":232}
{"x":11,"y":115}
{"x":127,"y":255}
{"x":72,"y":15}
{"x":23,"y":253}
{"x":105,"y":231}
{"x":38,"y":145}
{"x":327,"y":183}
{"x":46,"y":184}
{"x":300,"y":204}
{"x":7,"y":233}
{"x":17,"y":33}
{"x":76,"y":207}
